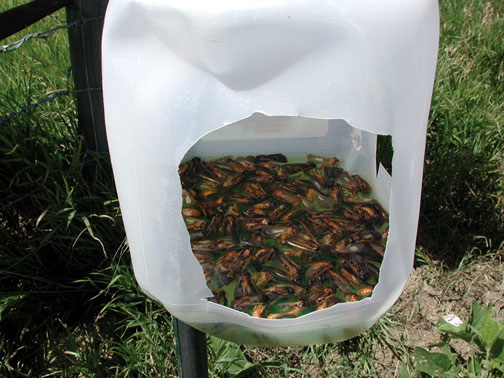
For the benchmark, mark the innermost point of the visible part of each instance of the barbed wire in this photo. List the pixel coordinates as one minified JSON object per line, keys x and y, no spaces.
{"x":46,"y":33}
{"x":26,"y":108}
{"x":55,"y":95}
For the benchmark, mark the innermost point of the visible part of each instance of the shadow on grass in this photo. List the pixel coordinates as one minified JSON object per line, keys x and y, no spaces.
{"x":460,"y":211}
{"x":58,"y":214}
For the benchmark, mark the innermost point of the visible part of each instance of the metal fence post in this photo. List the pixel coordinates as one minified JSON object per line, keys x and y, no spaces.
{"x":191,"y":351}
{"x":85,"y":53}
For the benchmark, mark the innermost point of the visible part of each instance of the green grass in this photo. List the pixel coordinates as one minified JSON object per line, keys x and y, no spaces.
{"x":462,"y":202}
{"x":69,"y":304}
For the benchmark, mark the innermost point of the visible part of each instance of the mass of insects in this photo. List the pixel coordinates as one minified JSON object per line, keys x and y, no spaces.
{"x":278,"y":239}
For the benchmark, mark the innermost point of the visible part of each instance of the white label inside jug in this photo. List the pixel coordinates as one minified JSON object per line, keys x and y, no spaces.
{"x":259,"y":126}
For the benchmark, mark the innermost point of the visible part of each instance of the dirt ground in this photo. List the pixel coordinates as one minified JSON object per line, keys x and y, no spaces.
{"x":431,"y":294}
{"x":434,"y":293}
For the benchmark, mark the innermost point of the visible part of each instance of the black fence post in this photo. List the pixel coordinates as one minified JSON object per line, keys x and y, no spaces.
{"x":22,"y":16}
{"x":85,"y":53}
{"x":191,"y":351}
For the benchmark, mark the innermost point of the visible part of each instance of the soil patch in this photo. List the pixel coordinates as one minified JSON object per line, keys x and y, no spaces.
{"x":432,"y":293}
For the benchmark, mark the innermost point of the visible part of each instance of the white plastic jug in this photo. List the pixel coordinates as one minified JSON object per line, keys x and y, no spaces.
{"x":195,"y":78}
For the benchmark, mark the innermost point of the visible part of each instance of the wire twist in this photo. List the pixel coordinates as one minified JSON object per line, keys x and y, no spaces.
{"x":46,"y":33}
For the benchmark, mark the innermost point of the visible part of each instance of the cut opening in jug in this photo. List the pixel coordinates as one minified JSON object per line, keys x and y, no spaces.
{"x":286,"y":215}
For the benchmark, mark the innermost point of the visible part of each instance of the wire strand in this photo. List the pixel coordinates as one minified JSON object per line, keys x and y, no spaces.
{"x":56,"y":95}
{"x":46,"y":33}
